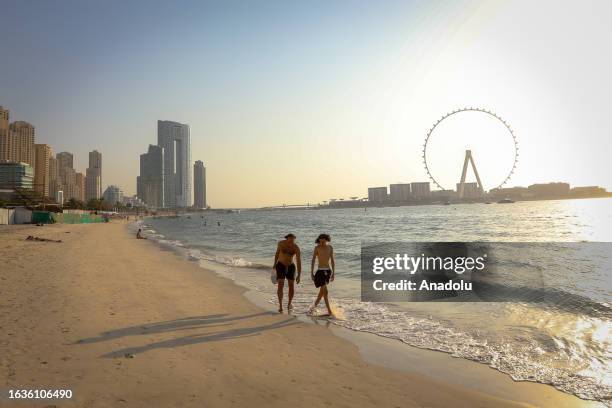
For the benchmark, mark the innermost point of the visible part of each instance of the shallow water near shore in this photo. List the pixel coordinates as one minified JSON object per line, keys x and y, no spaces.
{"x":567,"y":344}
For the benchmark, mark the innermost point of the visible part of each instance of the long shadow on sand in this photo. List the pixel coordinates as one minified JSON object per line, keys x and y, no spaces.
{"x":200,"y":338}
{"x":185,"y":323}
{"x":194,"y":322}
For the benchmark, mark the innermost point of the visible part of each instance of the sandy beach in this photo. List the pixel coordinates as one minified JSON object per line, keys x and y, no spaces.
{"x":122,"y":323}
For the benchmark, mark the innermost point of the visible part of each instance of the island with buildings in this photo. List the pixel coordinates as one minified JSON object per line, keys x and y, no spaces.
{"x":420,"y":193}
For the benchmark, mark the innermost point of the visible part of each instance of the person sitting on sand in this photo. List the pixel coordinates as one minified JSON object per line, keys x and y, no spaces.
{"x":139,"y":234}
{"x":325,"y":270}
{"x":286,"y":250}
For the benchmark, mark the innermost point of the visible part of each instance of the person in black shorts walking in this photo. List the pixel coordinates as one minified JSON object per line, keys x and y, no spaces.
{"x":325,"y":270}
{"x":286,"y":251}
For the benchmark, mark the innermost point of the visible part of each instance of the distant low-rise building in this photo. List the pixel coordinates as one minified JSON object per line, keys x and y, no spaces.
{"x":515,"y":193}
{"x":133,"y":202}
{"x":549,"y":190}
{"x":113,"y":195}
{"x":420,"y":190}
{"x":16,"y":176}
{"x":443,"y":195}
{"x":399,"y":192}
{"x":378,"y":195}
{"x":588,"y":191}
{"x":470,"y":190}
{"x":59,"y":197}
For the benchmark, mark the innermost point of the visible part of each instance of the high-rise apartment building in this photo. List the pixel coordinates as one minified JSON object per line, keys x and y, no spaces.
{"x":43,"y":154}
{"x":80,"y":186}
{"x":6,"y":142}
{"x":199,"y":185}
{"x":65,"y":160}
{"x":93,"y":180}
{"x":174,"y":138}
{"x":55,"y":184}
{"x":67,"y":175}
{"x":69,"y":184}
{"x":92,"y":184}
{"x":150,"y":183}
{"x":22,"y":138}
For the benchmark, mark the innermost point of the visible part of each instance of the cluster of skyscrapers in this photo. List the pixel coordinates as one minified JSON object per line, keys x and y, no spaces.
{"x":27,"y":165}
{"x":166,"y":175}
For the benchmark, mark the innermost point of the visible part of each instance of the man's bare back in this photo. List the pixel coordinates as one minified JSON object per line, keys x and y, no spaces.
{"x":324,"y":253}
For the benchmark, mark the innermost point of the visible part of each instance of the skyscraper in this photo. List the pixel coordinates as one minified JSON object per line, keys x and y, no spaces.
{"x":69,"y":184}
{"x":174,"y":138}
{"x":43,"y":154}
{"x":22,"y":135}
{"x":6,"y":143}
{"x":150,"y":183}
{"x":93,"y":179}
{"x":54,"y":182}
{"x":67,"y":175}
{"x":80,"y":186}
{"x":199,"y":185}
{"x":65,"y":160}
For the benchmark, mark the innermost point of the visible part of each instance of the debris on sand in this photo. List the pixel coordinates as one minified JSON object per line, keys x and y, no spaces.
{"x":39,"y":239}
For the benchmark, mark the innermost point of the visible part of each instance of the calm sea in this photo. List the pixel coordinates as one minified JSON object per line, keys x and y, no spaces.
{"x":566,"y":342}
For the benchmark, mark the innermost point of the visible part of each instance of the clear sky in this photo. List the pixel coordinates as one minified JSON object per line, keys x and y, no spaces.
{"x":295,"y":102}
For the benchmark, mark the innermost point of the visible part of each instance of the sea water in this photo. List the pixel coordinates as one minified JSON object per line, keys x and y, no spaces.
{"x":563,"y":343}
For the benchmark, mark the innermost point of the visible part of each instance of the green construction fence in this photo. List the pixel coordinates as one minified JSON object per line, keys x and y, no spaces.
{"x":45,"y":217}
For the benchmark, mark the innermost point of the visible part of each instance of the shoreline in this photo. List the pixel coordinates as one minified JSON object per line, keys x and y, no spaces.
{"x":428,"y":362}
{"x":109,"y":322}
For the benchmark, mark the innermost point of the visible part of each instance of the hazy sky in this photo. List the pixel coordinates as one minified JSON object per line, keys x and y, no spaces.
{"x":295,"y":102}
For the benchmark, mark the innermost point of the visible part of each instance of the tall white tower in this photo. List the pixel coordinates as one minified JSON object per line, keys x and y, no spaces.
{"x":174,"y":138}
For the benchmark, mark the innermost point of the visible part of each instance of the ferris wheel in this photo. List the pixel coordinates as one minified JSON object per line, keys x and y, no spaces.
{"x":468,"y":155}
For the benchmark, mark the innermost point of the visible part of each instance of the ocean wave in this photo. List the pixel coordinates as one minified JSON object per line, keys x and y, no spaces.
{"x":234,"y":261}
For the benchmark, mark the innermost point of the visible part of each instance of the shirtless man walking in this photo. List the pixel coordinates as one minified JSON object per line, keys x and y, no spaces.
{"x":286,"y":250}
{"x":325,"y":270}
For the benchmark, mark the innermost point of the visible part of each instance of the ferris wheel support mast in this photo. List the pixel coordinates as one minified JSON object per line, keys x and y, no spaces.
{"x":469,"y":158}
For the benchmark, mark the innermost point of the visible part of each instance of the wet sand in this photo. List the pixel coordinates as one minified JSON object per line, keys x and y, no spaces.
{"x":122,"y":323}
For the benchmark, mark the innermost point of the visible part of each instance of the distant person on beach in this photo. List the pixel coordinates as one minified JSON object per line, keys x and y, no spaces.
{"x":139,"y":234}
{"x":286,"y":251}
{"x":325,"y":270}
